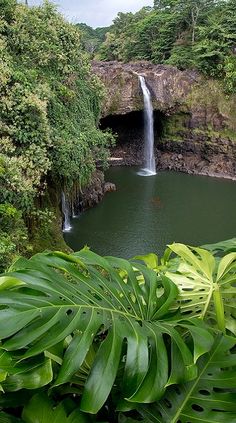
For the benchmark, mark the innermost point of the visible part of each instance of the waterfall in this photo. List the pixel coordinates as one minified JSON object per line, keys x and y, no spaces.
{"x":75,"y":204}
{"x":149,"y":159}
{"x":66,"y":212}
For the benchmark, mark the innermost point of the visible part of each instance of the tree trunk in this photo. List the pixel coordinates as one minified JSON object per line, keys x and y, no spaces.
{"x":194,"y":22}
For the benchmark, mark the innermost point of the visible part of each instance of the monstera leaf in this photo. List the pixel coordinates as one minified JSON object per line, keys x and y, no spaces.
{"x":210,"y":398}
{"x":225,"y":247}
{"x":31,"y":374}
{"x":206,"y":284}
{"x":119,"y":308}
{"x":41,"y":409}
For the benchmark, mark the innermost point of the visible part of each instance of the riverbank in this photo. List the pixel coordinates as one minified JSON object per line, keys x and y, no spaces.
{"x":216,"y":165}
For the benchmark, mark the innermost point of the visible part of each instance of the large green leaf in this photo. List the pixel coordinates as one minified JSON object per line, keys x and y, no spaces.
{"x":41,"y":409}
{"x":29,"y":375}
{"x":5,"y":364}
{"x":7,"y":418}
{"x":226,"y":247}
{"x":206,"y":285}
{"x":121,"y":307}
{"x":210,"y":398}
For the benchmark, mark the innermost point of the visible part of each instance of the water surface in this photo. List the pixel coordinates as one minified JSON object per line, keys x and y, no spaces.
{"x":146,"y":213}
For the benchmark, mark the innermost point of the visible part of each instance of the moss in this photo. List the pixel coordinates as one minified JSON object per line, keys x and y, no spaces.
{"x":211,"y":133}
{"x":175,"y":124}
{"x":49,"y":237}
{"x":229,"y":133}
{"x":209,"y":95}
{"x":46,"y":233}
{"x":114,"y":106}
{"x":173,"y":138}
{"x":116,"y":96}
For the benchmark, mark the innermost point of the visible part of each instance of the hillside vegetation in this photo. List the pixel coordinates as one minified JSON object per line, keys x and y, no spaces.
{"x":197,"y":34}
{"x":50,"y":106}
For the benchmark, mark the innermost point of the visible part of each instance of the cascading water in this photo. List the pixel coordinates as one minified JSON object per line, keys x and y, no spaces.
{"x":66,"y":212}
{"x":149,"y":159}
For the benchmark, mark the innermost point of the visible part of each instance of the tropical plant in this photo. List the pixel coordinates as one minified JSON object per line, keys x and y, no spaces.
{"x":117,"y":308}
{"x":206,"y":285}
{"x":123,"y":337}
{"x":209,"y":398}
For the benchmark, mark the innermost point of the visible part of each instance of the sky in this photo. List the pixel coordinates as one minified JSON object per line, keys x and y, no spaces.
{"x":95,"y":13}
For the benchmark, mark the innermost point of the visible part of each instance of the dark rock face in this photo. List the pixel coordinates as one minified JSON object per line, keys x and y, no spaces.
{"x":195,"y":124}
{"x":109,"y":187}
{"x":194,"y":164}
{"x":179,"y":159}
{"x":168,"y":86}
{"x":95,"y":191}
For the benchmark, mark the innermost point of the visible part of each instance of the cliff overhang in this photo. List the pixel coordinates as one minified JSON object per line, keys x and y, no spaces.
{"x":195,"y":118}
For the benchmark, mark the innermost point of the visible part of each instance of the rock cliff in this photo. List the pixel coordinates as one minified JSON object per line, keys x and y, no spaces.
{"x":196,"y":122}
{"x":168,"y":85}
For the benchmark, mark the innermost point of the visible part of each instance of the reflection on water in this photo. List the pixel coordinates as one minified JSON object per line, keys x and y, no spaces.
{"x":156,"y":201}
{"x":145,"y":214}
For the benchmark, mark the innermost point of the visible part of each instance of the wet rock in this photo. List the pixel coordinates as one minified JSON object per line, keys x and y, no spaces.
{"x":187,"y":160}
{"x":95,"y":191}
{"x":109,"y":187}
{"x":168,"y":85}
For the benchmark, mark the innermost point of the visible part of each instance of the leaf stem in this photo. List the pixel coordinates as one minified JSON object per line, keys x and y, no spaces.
{"x":219,"y":308}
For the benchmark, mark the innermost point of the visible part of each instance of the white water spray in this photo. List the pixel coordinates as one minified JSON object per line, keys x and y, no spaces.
{"x":149,"y":158}
{"x":66,"y":212}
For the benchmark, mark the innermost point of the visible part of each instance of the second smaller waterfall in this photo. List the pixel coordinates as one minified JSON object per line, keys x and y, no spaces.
{"x":149,"y":158}
{"x":66,"y":212}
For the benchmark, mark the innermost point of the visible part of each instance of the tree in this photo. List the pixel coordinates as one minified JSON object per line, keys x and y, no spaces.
{"x":50,"y":106}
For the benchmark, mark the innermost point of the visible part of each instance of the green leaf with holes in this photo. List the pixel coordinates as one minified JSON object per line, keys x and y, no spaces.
{"x":207,"y":285}
{"x":119,"y":307}
{"x":210,"y":398}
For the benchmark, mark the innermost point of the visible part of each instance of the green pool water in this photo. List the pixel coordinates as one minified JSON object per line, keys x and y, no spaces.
{"x":146,"y":213}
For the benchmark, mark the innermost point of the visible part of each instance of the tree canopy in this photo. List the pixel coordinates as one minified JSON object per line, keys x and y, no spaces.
{"x":50,"y":106}
{"x":197,"y":34}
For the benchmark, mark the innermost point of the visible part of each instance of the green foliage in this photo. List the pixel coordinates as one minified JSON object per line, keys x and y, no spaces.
{"x":50,"y":107}
{"x":209,"y":398}
{"x":49,"y":100}
{"x":91,"y":39}
{"x":71,"y":151}
{"x":41,"y":410}
{"x":206,"y":285}
{"x":131,"y":314}
{"x":86,"y":338}
{"x":7,"y":250}
{"x":7,"y":8}
{"x":184,"y":33}
{"x":13,"y":235}
{"x":181,"y":56}
{"x":226,"y":247}
{"x":230,"y":74}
